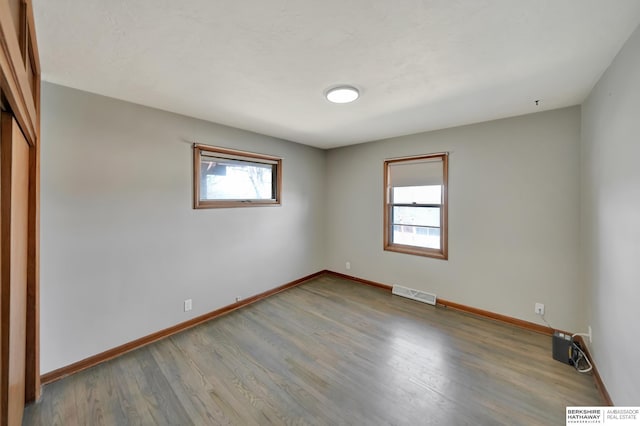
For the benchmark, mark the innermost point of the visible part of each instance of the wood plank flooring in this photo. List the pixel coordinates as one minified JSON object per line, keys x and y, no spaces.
{"x":328,"y":352}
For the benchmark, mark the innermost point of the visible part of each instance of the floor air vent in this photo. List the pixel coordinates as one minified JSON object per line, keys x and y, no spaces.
{"x":420,"y":296}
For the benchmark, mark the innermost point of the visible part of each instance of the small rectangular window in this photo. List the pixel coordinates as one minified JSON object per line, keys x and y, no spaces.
{"x":230,"y":178}
{"x":415,"y":205}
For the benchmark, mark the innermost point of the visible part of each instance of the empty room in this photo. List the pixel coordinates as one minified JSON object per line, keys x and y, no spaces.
{"x":324,"y":213}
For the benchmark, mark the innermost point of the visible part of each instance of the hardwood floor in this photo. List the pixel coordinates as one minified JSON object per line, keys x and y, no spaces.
{"x":328,"y":352}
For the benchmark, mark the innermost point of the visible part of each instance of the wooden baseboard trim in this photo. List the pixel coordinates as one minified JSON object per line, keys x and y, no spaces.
{"x":81,"y":365}
{"x":604,"y":394}
{"x":360,"y":280}
{"x":497,"y":317}
{"x":460,"y":307}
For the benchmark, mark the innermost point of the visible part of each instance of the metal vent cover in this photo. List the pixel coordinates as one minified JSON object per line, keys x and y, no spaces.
{"x":419,"y":295}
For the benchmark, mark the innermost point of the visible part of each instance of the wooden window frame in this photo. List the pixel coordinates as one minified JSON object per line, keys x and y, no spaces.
{"x":234,"y":154}
{"x":389,"y":245}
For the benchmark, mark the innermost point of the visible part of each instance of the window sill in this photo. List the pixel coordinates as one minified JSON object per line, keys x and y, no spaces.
{"x":231,"y":204}
{"x":417,"y":251}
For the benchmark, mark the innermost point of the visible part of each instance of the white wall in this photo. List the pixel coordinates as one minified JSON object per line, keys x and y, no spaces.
{"x":513,"y":216}
{"x":610,"y":226}
{"x":121,"y":245}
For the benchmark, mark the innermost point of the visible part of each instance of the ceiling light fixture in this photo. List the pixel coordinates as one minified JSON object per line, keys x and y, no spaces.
{"x":342,"y":94}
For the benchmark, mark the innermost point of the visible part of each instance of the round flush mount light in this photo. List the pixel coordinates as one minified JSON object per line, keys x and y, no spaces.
{"x":342,"y":94}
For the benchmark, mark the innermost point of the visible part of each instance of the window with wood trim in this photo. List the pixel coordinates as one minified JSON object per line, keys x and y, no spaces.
{"x":230,"y":178}
{"x":415,"y":205}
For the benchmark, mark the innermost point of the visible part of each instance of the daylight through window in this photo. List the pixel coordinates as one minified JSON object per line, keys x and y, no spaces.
{"x":415,"y":211}
{"x":230,"y":178}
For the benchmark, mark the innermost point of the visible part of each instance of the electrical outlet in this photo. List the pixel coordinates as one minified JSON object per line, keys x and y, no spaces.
{"x":539,"y":309}
{"x":187,"y":305}
{"x":347,"y":265}
{"x":238,"y":298}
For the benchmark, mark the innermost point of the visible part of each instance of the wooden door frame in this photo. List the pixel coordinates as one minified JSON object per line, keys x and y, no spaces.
{"x":20,"y":85}
{"x":14,"y":254}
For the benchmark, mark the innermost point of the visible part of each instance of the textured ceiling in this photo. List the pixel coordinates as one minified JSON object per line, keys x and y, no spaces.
{"x":265,"y":65}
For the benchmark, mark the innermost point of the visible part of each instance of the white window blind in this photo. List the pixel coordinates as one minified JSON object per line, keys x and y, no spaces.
{"x":421,"y":172}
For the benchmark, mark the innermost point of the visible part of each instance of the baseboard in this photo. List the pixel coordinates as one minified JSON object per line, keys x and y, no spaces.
{"x":81,"y":365}
{"x":604,"y":394}
{"x":460,"y":307}
{"x":497,"y":317}
{"x":360,"y":280}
